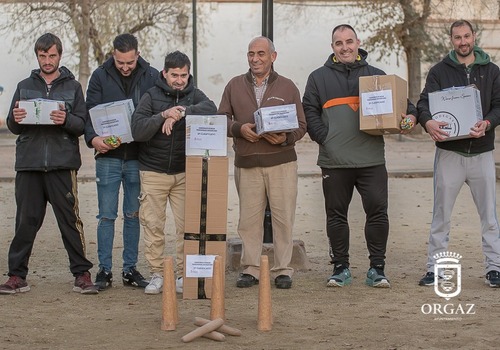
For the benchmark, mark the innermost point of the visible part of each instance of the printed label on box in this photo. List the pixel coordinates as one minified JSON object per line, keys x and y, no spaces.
{"x":377,"y":103}
{"x":452,"y":127}
{"x":107,"y":125}
{"x":206,"y":135}
{"x":200,"y":266}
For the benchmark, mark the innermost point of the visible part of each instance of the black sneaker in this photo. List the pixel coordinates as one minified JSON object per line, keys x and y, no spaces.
{"x":283,"y":282}
{"x":246,"y":280}
{"x":134,"y":278}
{"x":493,"y":279}
{"x":375,"y":277}
{"x":341,"y":276}
{"x":103,"y":279}
{"x":428,"y":279}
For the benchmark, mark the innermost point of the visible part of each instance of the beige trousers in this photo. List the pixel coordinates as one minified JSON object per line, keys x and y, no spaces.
{"x":156,"y":190}
{"x":254,"y":185}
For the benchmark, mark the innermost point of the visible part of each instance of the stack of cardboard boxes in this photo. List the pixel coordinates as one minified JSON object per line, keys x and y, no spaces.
{"x":206,"y":202}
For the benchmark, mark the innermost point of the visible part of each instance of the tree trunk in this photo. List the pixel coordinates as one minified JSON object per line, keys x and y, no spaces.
{"x":84,"y":45}
{"x":414,"y":74}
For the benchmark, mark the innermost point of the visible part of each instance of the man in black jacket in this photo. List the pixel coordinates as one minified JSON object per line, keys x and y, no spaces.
{"x":468,"y":160}
{"x":159,"y":126}
{"x":47,"y":160}
{"x":126,"y":75}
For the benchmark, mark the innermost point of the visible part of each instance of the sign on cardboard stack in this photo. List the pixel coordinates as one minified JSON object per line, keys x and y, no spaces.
{"x":383,"y":100}
{"x":206,"y":135}
{"x":460,"y":107}
{"x":38,"y":110}
{"x":113,"y":118}
{"x":205,"y":218}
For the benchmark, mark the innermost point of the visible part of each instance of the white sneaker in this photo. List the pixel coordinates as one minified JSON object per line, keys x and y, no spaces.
{"x":155,"y":285}
{"x":179,"y":282}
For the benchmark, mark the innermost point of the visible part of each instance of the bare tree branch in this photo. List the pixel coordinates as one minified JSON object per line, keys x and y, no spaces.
{"x":91,"y":25}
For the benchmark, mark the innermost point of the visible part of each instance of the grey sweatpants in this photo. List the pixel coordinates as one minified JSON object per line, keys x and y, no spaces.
{"x":451,"y":170}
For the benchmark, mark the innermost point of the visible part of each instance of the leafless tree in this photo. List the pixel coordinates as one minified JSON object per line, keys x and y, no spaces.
{"x":415,"y":29}
{"x":91,"y":25}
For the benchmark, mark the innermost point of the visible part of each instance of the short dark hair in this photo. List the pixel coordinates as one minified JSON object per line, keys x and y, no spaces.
{"x":176,"y":59}
{"x":342,"y":27}
{"x":46,"y":41}
{"x":459,"y":23}
{"x":125,"y":43}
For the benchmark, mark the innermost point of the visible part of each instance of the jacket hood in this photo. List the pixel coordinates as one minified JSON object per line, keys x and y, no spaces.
{"x":360,"y":61}
{"x":481,"y":57}
{"x":162,"y":84}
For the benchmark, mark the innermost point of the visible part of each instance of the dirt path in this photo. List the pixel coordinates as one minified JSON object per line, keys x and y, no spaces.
{"x":309,"y":315}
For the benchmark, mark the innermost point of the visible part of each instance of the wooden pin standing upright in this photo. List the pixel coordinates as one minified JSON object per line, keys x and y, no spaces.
{"x":217,"y":307}
{"x":170,"y":316}
{"x":265,"y":313}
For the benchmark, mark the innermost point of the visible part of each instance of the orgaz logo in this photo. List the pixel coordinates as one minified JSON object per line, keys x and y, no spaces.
{"x":447,"y":284}
{"x":447,"y":275}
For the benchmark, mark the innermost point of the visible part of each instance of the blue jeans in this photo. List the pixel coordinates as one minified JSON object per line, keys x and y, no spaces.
{"x":110,"y":174}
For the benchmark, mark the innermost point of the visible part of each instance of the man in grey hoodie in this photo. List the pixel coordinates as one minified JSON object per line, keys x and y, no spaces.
{"x":465,"y":160}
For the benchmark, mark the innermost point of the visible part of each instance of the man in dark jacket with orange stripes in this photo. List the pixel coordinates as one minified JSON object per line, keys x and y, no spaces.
{"x":348,"y":157}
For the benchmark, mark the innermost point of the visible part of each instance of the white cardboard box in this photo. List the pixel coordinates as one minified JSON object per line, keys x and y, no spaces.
{"x":206,"y":135}
{"x":38,"y":110}
{"x":113,"y":118}
{"x":460,"y":107}
{"x":276,"y":119}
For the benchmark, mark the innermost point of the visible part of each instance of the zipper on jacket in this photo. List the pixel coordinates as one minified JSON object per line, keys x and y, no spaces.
{"x":172,"y":138}
{"x":137,"y":96}
{"x":46,"y":143}
{"x":467,"y":74}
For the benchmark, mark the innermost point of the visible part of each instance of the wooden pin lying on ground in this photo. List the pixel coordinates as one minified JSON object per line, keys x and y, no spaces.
{"x":206,"y":328}
{"x":198,"y":321}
